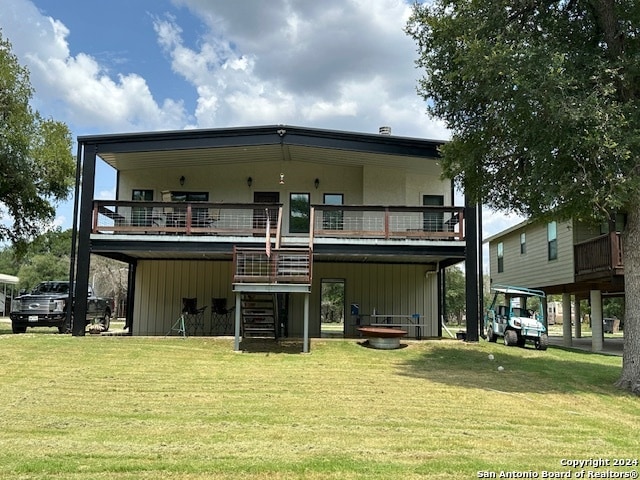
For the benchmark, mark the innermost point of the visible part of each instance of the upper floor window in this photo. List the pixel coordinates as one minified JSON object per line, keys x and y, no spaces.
{"x":523,"y":243}
{"x":433,"y":221}
{"x":552,"y":240}
{"x":616,"y":224}
{"x":299,"y":212}
{"x":500,"y":257}
{"x":141,"y":216}
{"x":178,"y":215}
{"x":333,"y":219}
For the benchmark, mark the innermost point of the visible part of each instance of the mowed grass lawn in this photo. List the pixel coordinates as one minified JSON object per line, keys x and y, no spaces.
{"x":171,"y":408}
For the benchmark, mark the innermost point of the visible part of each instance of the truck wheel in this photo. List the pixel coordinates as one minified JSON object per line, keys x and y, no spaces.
{"x":510,"y":338}
{"x":543,"y":342}
{"x":65,"y":327}
{"x":492,"y":337}
{"x":105,"y":321}
{"x":18,"y":328}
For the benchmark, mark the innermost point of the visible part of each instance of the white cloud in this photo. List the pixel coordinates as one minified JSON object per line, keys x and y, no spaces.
{"x":339,"y":64}
{"x":84,"y":90}
{"x":334,"y":64}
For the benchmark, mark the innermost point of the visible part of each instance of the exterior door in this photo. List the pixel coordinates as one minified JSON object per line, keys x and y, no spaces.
{"x":260,"y":215}
{"x":433,"y":221}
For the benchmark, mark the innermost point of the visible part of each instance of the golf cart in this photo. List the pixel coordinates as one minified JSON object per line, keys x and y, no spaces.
{"x":510,"y":317}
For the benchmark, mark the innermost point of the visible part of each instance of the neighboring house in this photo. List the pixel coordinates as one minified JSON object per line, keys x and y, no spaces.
{"x":568,"y":258}
{"x":555,"y":313}
{"x":193,"y":208}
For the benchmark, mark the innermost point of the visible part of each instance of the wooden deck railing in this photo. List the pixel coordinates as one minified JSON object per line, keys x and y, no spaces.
{"x":600,"y":255}
{"x":249,"y":219}
{"x":364,"y":221}
{"x":188,"y":218}
{"x":282,"y":265}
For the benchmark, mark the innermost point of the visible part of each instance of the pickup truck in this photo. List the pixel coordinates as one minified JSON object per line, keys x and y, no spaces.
{"x":46,"y":306}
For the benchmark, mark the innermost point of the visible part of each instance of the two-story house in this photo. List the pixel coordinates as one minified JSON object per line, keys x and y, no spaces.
{"x":563,"y":257}
{"x":250,"y":222}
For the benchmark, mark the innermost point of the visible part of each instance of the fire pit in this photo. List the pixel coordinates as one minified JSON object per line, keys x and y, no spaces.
{"x":384,"y":338}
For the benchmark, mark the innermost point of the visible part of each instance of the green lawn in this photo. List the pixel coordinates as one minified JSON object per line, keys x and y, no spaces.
{"x":172,"y":408}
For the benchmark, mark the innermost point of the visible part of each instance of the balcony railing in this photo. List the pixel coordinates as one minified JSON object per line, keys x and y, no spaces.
{"x":434,"y":223}
{"x":249,"y":219}
{"x":599,"y":256}
{"x":282,"y":265}
{"x":188,"y":218}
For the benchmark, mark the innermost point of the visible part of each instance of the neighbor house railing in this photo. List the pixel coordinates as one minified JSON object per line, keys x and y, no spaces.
{"x":600,"y":255}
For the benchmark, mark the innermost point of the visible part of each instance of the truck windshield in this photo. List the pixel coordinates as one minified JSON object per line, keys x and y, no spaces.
{"x":52,"y":287}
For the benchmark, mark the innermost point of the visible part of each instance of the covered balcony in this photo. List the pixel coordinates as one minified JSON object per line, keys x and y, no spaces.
{"x":237,"y":232}
{"x":599,"y":258}
{"x":114,"y":217}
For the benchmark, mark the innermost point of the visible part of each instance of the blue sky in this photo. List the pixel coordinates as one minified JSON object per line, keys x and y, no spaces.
{"x":145,"y":65}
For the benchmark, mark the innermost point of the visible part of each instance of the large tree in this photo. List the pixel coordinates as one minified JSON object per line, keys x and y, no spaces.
{"x":542,"y":99}
{"x":36,"y":163}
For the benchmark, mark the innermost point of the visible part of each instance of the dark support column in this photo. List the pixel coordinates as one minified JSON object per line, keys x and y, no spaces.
{"x":471,"y":270}
{"x":74,"y":235}
{"x":480,"y":273}
{"x":442,"y":306}
{"x":84,"y":244}
{"x":131,"y":293}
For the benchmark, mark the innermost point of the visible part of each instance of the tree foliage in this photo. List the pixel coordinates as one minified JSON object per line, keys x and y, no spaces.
{"x":541,"y":98}
{"x":543,"y":102}
{"x":455,"y":297}
{"x":36,"y":164}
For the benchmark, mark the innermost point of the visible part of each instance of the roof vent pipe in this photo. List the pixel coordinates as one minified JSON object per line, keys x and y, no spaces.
{"x":385,"y":131}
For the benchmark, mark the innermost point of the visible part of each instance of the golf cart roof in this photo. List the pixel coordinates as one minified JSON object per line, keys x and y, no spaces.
{"x":520,"y":291}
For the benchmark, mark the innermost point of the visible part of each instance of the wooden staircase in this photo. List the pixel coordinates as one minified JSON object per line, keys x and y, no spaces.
{"x":259,"y":315}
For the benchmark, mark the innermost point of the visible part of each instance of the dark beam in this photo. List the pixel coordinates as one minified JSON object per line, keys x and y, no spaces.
{"x":84,"y":243}
{"x":471,"y":271}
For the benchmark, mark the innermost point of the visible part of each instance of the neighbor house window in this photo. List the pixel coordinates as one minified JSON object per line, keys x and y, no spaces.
{"x":500,"y":257}
{"x":299,"y":212}
{"x":523,"y":243}
{"x":552,"y":240}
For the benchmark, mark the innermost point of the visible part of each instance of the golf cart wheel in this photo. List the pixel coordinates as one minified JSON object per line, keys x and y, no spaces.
{"x":543,"y":342}
{"x":105,"y":321}
{"x":510,"y":338}
{"x":492,"y":337}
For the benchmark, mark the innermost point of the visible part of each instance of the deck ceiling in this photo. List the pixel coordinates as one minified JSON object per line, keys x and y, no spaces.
{"x":263,"y":144}
{"x":129,"y":249}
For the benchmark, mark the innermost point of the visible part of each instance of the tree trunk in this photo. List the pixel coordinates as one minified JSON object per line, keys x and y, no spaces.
{"x":630,"y":378}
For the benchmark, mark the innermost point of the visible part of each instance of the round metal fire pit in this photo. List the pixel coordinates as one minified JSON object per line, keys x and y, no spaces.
{"x":384,"y":338}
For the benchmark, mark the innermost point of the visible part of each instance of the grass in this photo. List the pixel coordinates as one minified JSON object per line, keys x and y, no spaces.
{"x":171,"y":408}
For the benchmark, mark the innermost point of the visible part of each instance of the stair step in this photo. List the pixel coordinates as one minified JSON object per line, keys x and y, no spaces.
{"x":258,"y":315}
{"x":258,"y":311}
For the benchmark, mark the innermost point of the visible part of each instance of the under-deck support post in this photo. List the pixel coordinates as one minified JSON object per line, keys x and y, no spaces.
{"x":305,"y":345}
{"x":566,"y":320}
{"x":236,"y":343}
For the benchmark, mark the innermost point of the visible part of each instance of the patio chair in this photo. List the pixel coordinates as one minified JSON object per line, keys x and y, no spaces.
{"x":191,"y":318}
{"x":221,"y":321}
